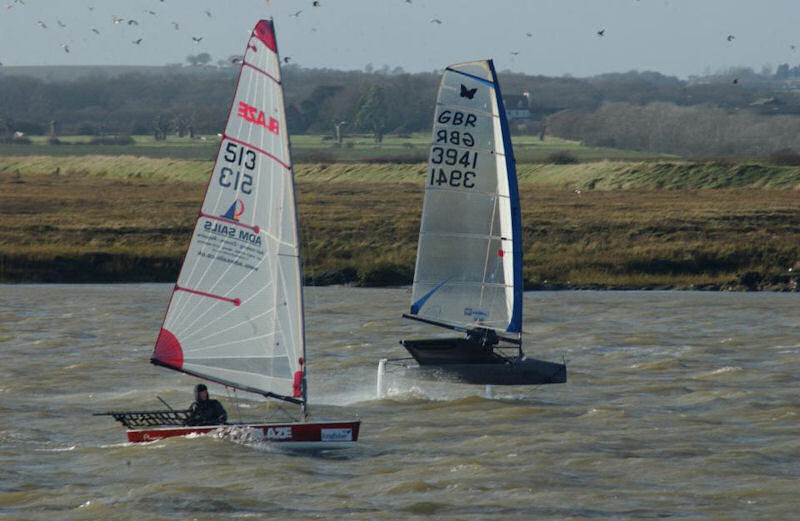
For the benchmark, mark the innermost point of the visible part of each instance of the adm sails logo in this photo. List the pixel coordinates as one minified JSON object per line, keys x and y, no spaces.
{"x":235,"y":211}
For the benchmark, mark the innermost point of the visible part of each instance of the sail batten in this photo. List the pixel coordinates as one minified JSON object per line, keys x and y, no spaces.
{"x":468,"y":269}
{"x":236,"y":316}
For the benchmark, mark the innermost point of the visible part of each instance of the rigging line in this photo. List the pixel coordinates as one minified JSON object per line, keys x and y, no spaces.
{"x":476,"y":78}
{"x":458,"y":191}
{"x":257,"y":149}
{"x":466,"y":236}
{"x":262,"y":71}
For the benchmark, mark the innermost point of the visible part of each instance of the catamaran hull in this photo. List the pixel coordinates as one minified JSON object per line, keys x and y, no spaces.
{"x":527,"y":371}
{"x":466,"y":361}
{"x":320,"y":435}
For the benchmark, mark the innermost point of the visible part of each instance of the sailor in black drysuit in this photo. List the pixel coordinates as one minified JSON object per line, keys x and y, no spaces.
{"x":205,"y":411}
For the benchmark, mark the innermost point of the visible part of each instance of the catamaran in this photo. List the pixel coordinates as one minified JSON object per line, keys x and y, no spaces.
{"x":468,"y":275}
{"x":235,"y":316}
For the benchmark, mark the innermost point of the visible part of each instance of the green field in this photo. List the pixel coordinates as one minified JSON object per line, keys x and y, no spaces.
{"x":314,"y":149}
{"x":608,"y":224}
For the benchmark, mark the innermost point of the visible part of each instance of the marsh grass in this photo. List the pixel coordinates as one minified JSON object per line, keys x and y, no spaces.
{"x":129,"y":219}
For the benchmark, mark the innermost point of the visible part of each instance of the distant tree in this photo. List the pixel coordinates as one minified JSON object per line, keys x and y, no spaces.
{"x":199,"y":59}
{"x":371,"y":112}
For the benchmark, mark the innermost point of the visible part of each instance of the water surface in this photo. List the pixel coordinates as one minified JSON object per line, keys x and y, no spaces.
{"x":679,"y":405}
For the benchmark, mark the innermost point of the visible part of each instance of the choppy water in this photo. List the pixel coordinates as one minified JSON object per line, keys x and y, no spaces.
{"x":679,"y":406}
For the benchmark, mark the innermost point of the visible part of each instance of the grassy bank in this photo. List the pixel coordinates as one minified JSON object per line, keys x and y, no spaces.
{"x":310,"y":148}
{"x":608,"y":224}
{"x":664,"y":174}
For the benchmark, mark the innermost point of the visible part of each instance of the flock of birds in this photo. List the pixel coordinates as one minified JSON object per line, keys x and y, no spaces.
{"x":116,"y":20}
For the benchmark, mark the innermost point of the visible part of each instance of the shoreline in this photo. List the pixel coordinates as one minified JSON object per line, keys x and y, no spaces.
{"x":101,"y":268}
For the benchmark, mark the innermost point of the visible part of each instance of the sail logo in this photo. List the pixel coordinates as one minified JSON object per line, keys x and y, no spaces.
{"x":337,"y":435}
{"x":477,"y":314}
{"x":235,"y":211}
{"x":257,"y":117}
{"x":279,"y":433}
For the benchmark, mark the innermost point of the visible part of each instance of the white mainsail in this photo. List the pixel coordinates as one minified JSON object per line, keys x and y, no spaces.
{"x":469,"y":258}
{"x":236,"y":312}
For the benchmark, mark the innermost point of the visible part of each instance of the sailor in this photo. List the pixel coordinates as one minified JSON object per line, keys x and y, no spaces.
{"x":205,"y":411}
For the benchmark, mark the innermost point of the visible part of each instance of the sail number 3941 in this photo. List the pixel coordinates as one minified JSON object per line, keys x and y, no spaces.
{"x":239,"y":158}
{"x":453,"y":177}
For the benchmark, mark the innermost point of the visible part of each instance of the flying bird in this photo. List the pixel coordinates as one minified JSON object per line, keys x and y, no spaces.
{"x":175,"y":24}
{"x":42,"y":24}
{"x":61,"y":24}
{"x":529,"y":35}
{"x":514,"y":53}
{"x":792,"y":47}
{"x":601,"y":32}
{"x":297,"y":13}
{"x":286,"y":59}
{"x":208,"y":13}
{"x":137,"y":42}
{"x":150,"y":12}
{"x":197,"y":39}
{"x":116,"y":19}
{"x":315,"y":3}
{"x":65,"y":47}
{"x":133,"y":22}
{"x":731,"y":37}
{"x":735,"y":81}
{"x":91,"y":8}
{"x":95,"y":31}
{"x":236,"y":59}
{"x":436,"y":21}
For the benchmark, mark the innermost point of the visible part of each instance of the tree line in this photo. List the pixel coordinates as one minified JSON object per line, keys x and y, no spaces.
{"x":635,"y":110}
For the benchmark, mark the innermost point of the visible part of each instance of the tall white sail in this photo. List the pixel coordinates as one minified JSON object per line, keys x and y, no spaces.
{"x":469,"y":258}
{"x":236,"y":312}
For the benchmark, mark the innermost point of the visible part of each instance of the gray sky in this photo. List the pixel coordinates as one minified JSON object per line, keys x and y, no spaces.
{"x":675,"y":37}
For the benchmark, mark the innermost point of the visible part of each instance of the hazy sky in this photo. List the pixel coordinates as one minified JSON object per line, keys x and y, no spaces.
{"x":675,"y":37}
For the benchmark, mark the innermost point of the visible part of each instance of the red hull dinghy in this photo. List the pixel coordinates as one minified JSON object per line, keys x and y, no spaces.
{"x":235,"y":316}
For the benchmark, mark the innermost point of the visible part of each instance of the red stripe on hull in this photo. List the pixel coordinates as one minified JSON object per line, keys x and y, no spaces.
{"x":312,"y":433}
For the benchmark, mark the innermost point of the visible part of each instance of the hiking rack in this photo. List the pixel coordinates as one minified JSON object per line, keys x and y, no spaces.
{"x":137,"y":419}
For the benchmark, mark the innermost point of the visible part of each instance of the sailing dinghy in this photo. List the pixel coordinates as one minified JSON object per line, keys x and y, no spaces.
{"x":236,"y":312}
{"x":468,"y":275}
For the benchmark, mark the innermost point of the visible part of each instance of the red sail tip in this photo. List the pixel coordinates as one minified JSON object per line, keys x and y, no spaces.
{"x":266,"y":34}
{"x":168,"y":350}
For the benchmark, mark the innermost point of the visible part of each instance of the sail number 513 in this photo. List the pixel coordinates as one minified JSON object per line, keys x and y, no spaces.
{"x":239,"y":158}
